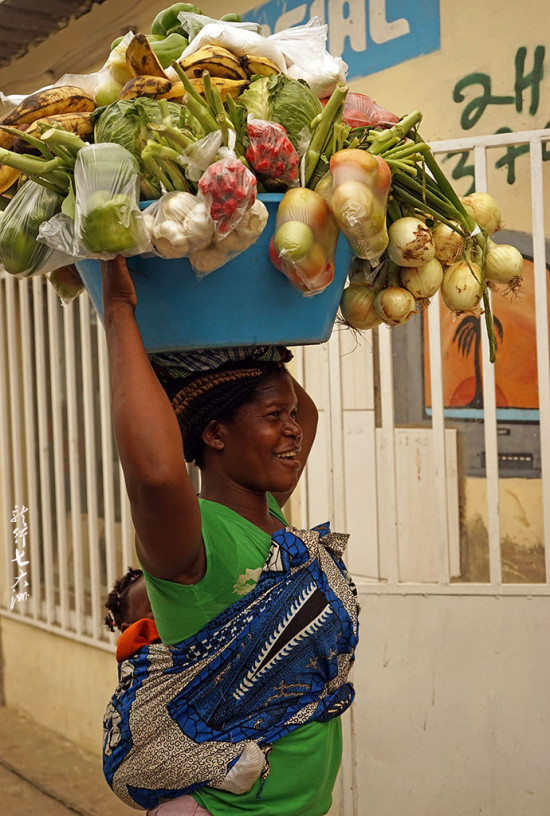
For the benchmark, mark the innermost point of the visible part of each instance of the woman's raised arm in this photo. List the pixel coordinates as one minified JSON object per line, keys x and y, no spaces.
{"x":307,"y":417}
{"x":165,"y":509}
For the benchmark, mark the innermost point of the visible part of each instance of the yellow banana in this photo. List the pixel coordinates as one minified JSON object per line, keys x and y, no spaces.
{"x":151,"y":86}
{"x":50,"y":102}
{"x":218,"y":61}
{"x":79,"y":123}
{"x":141,"y":59}
{"x":262,"y":66}
{"x":233,"y":87}
{"x":8,"y":176}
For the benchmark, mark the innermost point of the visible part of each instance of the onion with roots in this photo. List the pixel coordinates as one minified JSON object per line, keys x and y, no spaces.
{"x":503,"y":264}
{"x":422,"y":281}
{"x":461,"y":290}
{"x":357,"y":307}
{"x":485,"y":210}
{"x":394,"y":305}
{"x":411,"y":242}
{"x":448,"y":244}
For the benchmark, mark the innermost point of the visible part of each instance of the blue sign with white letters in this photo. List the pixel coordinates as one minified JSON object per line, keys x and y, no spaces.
{"x":369,"y":35}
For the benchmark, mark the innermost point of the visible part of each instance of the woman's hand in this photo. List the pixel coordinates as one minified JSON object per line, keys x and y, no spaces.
{"x":117,"y":282}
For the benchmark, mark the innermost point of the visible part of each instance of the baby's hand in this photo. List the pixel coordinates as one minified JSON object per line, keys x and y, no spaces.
{"x":117,"y":282}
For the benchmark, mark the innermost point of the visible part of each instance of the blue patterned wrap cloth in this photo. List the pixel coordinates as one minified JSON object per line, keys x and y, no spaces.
{"x":276,"y":659}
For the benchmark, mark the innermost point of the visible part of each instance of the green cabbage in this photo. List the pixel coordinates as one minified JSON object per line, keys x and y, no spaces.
{"x":290,"y":102}
{"x":125,"y":122}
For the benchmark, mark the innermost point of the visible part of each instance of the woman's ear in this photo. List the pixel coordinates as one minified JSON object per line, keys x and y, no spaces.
{"x":212,"y":436}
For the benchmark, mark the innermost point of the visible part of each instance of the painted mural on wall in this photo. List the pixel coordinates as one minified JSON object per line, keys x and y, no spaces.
{"x":475,"y":95}
{"x":516,"y":388}
{"x":369,"y":36}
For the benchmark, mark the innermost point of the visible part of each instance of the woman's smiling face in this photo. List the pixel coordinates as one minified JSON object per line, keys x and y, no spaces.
{"x":261,"y":443}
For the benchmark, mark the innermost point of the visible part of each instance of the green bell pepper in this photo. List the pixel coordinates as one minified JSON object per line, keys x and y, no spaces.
{"x":169,"y":48}
{"x":231,"y":18}
{"x":151,"y":37}
{"x":166,"y":22}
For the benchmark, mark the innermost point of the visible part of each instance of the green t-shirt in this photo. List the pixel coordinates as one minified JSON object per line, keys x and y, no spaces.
{"x":304,"y":764}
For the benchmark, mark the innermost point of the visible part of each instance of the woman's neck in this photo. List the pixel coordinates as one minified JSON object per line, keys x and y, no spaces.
{"x":250,"y":504}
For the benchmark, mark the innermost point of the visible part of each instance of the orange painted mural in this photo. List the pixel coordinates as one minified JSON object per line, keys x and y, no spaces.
{"x":516,"y":366}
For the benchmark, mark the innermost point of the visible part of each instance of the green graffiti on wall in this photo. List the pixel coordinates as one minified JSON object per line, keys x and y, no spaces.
{"x":525,"y":96}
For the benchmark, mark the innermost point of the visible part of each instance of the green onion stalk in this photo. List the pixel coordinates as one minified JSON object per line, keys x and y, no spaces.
{"x":163,"y":163}
{"x":328,"y":132}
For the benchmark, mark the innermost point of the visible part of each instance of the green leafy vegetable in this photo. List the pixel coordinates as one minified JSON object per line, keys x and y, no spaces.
{"x":290,"y":102}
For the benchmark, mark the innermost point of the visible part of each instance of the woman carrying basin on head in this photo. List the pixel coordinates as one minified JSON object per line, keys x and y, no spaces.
{"x":261,"y":618}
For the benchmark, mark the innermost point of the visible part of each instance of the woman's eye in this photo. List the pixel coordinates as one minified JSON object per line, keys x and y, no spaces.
{"x":275,"y":413}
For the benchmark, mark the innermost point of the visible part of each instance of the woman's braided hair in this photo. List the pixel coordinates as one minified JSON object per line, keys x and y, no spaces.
{"x":117,"y":600}
{"x":216,"y":394}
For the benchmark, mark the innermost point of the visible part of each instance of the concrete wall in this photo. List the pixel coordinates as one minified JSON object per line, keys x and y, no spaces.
{"x":60,"y":683}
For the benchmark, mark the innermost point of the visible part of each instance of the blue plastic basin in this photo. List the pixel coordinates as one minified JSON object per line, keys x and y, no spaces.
{"x":247,"y":302}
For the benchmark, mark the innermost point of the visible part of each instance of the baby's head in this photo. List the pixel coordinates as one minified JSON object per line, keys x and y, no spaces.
{"x":128,"y":601}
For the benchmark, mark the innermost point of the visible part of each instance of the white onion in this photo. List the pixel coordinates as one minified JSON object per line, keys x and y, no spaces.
{"x":448,"y":244}
{"x":485,"y":209}
{"x":460,"y":290}
{"x":503,"y":264}
{"x":411,"y":242}
{"x":357,"y":307}
{"x":422,"y":281}
{"x":394,"y":305}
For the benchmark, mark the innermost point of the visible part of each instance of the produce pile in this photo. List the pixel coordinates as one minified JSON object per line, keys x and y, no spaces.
{"x":201,"y":117}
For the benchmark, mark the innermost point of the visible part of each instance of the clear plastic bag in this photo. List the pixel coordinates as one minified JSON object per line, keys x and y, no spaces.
{"x":194,"y":23}
{"x":238,"y":40}
{"x":304,"y":244}
{"x":67,"y":283}
{"x":228,"y":189}
{"x":178,"y":225}
{"x":199,"y":156}
{"x":306,"y":55}
{"x":107,"y":221}
{"x":22,"y":253}
{"x":226,"y":247}
{"x":272,"y":155}
{"x":360,"y":186}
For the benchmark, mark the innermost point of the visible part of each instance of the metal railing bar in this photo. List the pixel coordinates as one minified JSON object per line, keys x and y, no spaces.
{"x":541,"y":322}
{"x":30,"y":445}
{"x":439,"y":448}
{"x":57,"y":439}
{"x":40,"y":340}
{"x":74,"y":465}
{"x":91,"y":471}
{"x":489,"y":416}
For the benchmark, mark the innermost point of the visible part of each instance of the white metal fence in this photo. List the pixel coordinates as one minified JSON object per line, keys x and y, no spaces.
{"x":394,"y":484}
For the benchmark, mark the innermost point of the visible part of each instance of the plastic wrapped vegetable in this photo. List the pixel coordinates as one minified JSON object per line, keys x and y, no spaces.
{"x":178,"y":225}
{"x":272,"y":155}
{"x":304,"y":243}
{"x":21,"y":252}
{"x":228,"y":189}
{"x":226,"y":247}
{"x":107,"y":216}
{"x":360,"y":185}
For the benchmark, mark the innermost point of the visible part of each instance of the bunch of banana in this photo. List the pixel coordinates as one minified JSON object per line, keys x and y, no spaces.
{"x":142,"y":60}
{"x":261,"y":66}
{"x":153,"y":87}
{"x":226,"y":87}
{"x":51,"y":102}
{"x":218,"y":61}
{"x":79,"y":123}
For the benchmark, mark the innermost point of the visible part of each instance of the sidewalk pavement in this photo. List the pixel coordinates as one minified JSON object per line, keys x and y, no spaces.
{"x":42,"y":774}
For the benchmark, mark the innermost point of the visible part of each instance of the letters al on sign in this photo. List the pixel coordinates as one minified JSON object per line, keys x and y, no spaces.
{"x":369,"y":36}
